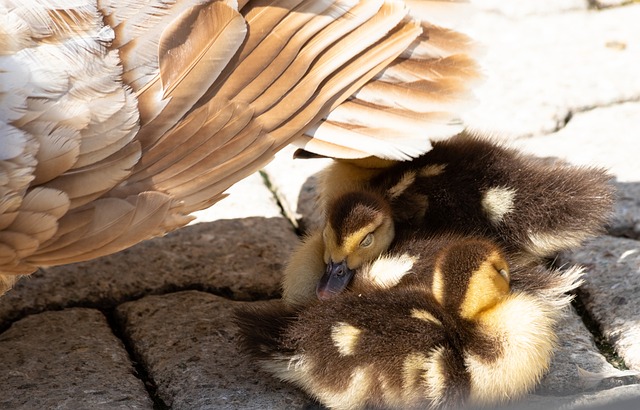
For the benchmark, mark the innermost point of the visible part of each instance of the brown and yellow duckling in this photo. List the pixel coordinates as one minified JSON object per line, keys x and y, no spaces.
{"x":466,"y":184}
{"x":359,"y":229}
{"x":456,"y":334}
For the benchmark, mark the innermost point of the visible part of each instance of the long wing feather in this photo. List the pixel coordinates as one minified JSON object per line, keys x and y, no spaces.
{"x":430,"y":83}
{"x":305,"y":24}
{"x":203,"y":38}
{"x":112,"y":224}
{"x":349,"y":18}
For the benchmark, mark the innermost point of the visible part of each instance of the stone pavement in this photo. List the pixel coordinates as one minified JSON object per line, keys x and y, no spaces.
{"x":149,"y":327}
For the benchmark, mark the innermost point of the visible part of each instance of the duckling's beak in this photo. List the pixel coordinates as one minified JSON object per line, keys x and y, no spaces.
{"x":335,"y":279}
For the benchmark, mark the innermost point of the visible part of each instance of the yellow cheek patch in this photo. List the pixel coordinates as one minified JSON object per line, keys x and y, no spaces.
{"x":351,"y":249}
{"x":486,"y":287}
{"x":345,"y":338}
{"x":352,"y":242}
{"x":424,"y":315}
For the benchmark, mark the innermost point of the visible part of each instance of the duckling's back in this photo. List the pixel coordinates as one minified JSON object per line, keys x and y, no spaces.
{"x":395,"y":349}
{"x":471,"y":185}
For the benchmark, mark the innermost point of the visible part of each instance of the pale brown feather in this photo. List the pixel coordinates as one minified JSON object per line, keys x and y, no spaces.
{"x":121,"y":118}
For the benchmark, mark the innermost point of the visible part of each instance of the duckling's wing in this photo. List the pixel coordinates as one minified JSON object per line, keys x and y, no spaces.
{"x":471,"y":184}
{"x":124,"y":117}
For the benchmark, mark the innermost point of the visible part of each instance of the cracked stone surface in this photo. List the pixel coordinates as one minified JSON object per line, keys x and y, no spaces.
{"x":626,"y":219}
{"x":561,"y":82}
{"x":617,"y":398}
{"x":611,"y":289}
{"x":541,"y":68}
{"x":577,"y":350}
{"x":67,"y":360}
{"x":603,"y":137}
{"x":204,"y":370}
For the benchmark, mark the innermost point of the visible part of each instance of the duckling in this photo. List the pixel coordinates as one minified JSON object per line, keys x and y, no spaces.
{"x":457,"y":334}
{"x":364,"y":230}
{"x":471,"y":184}
{"x":466,"y":184}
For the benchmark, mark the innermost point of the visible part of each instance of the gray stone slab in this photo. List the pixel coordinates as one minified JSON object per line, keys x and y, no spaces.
{"x":240,"y":258}
{"x":313,"y":215}
{"x":246,"y":198}
{"x":67,"y":360}
{"x":606,"y":136}
{"x":626,"y":218}
{"x":541,"y":68}
{"x":189,"y":346}
{"x":577,"y":350}
{"x":617,"y":398}
{"x":524,"y":8}
{"x":294,"y":183}
{"x":611,"y":289}
{"x":610,"y":3}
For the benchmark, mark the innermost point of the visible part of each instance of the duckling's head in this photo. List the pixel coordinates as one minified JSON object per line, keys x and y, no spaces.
{"x":471,"y":276}
{"x":359,"y":228}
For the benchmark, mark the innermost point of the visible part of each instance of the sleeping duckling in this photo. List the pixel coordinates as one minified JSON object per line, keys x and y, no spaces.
{"x":456,"y":335}
{"x":466,"y":184}
{"x":359,"y":228}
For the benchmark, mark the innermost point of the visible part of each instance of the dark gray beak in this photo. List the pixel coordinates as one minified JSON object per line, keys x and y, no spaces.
{"x":335,"y":279}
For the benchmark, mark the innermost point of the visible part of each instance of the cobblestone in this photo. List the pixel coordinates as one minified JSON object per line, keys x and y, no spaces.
{"x":67,"y":360}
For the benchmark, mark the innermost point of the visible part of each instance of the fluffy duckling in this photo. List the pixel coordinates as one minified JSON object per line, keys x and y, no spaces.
{"x":470,"y":184}
{"x":454,"y":335}
{"x":359,"y":228}
{"x":466,"y":184}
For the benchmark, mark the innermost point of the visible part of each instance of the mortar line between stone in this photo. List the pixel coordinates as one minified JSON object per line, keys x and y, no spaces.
{"x":605,"y":347}
{"x":571,"y":112}
{"x":287,"y":213}
{"x":140,"y":372}
{"x":105,"y":305}
{"x":595,"y":5}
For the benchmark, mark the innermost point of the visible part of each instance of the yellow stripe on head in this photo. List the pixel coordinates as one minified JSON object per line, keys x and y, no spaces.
{"x":487,"y":286}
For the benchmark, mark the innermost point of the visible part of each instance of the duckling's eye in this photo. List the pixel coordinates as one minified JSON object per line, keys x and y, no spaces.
{"x":367,"y":241}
